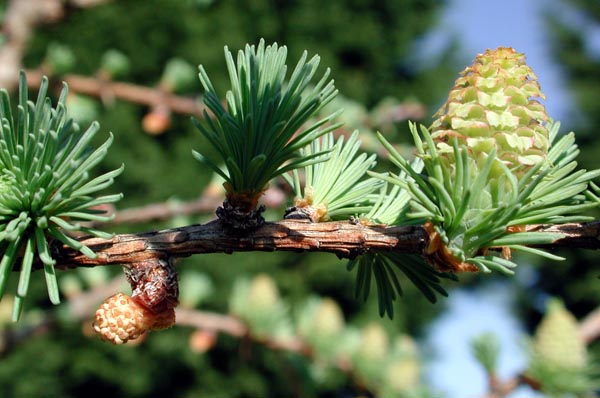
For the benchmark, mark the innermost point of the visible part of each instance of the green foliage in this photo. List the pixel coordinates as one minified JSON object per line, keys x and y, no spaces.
{"x":368,"y":66}
{"x":377,"y":62}
{"x":573,"y":48}
{"x":47,"y":190}
{"x":387,"y":367}
{"x":259,"y":304}
{"x":333,"y":185}
{"x":383,"y":267}
{"x":473,"y":213}
{"x":390,"y":207}
{"x":259,"y":133}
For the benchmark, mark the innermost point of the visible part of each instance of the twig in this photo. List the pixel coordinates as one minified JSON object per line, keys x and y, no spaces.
{"x":501,"y":389}
{"x":82,"y":305}
{"x":87,"y":3}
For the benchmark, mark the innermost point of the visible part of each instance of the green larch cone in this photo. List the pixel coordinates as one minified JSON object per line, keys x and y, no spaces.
{"x":557,"y":340}
{"x":375,"y":343}
{"x":329,"y":319}
{"x":263,"y":293}
{"x":258,"y":303}
{"x":495,"y":104}
{"x":403,"y":373}
{"x":494,"y":164}
{"x":559,"y":361}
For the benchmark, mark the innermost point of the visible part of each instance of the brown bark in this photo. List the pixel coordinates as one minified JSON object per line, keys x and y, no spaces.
{"x":342,"y":238}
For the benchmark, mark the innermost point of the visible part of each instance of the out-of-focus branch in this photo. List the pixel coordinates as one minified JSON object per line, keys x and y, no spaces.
{"x":227,"y":324}
{"x":207,"y":203}
{"x":503,"y":388}
{"x":589,"y":329}
{"x":20,"y":21}
{"x":82,"y":305}
{"x":87,"y":3}
{"x":102,"y":88}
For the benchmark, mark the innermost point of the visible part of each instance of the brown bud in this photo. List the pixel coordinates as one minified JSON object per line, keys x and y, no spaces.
{"x":157,"y":121}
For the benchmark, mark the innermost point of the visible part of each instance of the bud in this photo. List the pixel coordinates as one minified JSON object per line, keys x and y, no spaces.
{"x":157,"y":120}
{"x":115,"y":64}
{"x":6,"y":305}
{"x":152,"y":306}
{"x":403,"y":375}
{"x":179,"y":75}
{"x":202,"y":341}
{"x":404,"y":370}
{"x":60,"y":59}
{"x":83,"y":109}
{"x":70,"y":285}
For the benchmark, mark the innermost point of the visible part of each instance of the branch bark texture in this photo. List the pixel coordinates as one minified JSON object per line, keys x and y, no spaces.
{"x":342,"y":238}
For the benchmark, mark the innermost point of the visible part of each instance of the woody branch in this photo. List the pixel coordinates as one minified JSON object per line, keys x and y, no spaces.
{"x":342,"y":238}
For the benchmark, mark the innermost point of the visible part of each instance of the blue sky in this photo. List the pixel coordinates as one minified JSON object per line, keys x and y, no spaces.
{"x":479,"y":25}
{"x":452,"y":369}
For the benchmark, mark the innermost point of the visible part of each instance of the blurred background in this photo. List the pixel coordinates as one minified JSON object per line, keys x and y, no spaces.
{"x":279,"y":324}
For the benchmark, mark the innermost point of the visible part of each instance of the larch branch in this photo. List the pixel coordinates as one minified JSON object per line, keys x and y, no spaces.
{"x":342,"y":238}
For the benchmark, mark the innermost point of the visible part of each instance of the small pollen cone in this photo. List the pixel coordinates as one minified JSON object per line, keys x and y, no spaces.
{"x":121,"y":318}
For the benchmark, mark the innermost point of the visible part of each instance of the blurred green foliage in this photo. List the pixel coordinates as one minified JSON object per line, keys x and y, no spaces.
{"x":367,"y":45}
